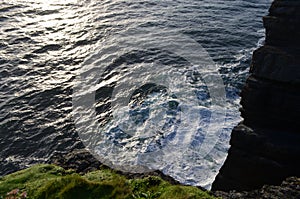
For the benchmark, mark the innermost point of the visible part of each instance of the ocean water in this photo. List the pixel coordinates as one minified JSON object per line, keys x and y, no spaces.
{"x":142,"y":84}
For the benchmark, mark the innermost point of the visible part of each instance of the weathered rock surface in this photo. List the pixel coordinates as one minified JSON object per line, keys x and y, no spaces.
{"x":290,"y":188}
{"x":265,"y":147}
{"x":82,"y":161}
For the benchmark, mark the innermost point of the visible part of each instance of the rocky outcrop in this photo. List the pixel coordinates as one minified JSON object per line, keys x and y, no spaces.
{"x":290,"y":188}
{"x":265,"y":147}
{"x":82,"y":161}
{"x":79,"y":160}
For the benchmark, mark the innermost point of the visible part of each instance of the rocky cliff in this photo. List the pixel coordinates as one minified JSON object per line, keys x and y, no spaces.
{"x":265,"y":147}
{"x":288,"y":189}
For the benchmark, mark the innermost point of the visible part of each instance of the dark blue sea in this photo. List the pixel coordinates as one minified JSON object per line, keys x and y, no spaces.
{"x":143,"y":85}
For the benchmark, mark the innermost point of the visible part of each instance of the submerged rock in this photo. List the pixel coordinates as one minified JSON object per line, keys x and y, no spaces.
{"x":265,"y":146}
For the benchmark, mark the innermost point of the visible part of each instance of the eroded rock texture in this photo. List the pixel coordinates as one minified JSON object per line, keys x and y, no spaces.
{"x":289,"y":189}
{"x":265,"y":147}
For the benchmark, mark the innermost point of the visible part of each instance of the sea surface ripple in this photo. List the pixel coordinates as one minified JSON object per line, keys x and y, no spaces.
{"x":44,"y":43}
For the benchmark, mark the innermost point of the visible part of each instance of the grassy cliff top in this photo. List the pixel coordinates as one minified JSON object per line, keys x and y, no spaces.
{"x":49,"y":181}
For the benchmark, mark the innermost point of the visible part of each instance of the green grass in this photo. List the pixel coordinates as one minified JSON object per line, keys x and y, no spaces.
{"x":49,"y":181}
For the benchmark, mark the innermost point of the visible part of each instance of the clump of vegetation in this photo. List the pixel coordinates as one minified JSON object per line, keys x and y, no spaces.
{"x":49,"y":181}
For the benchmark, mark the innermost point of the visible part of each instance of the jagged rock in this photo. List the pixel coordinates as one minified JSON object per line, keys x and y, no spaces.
{"x":79,"y":160}
{"x":265,"y":146}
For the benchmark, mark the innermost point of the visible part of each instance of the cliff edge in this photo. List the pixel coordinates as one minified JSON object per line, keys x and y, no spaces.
{"x":265,"y":147}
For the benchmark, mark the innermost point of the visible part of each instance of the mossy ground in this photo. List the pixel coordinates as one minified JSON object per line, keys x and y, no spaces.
{"x":49,"y":181}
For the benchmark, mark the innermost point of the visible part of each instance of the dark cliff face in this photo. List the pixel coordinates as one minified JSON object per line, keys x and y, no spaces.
{"x":265,"y":147}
